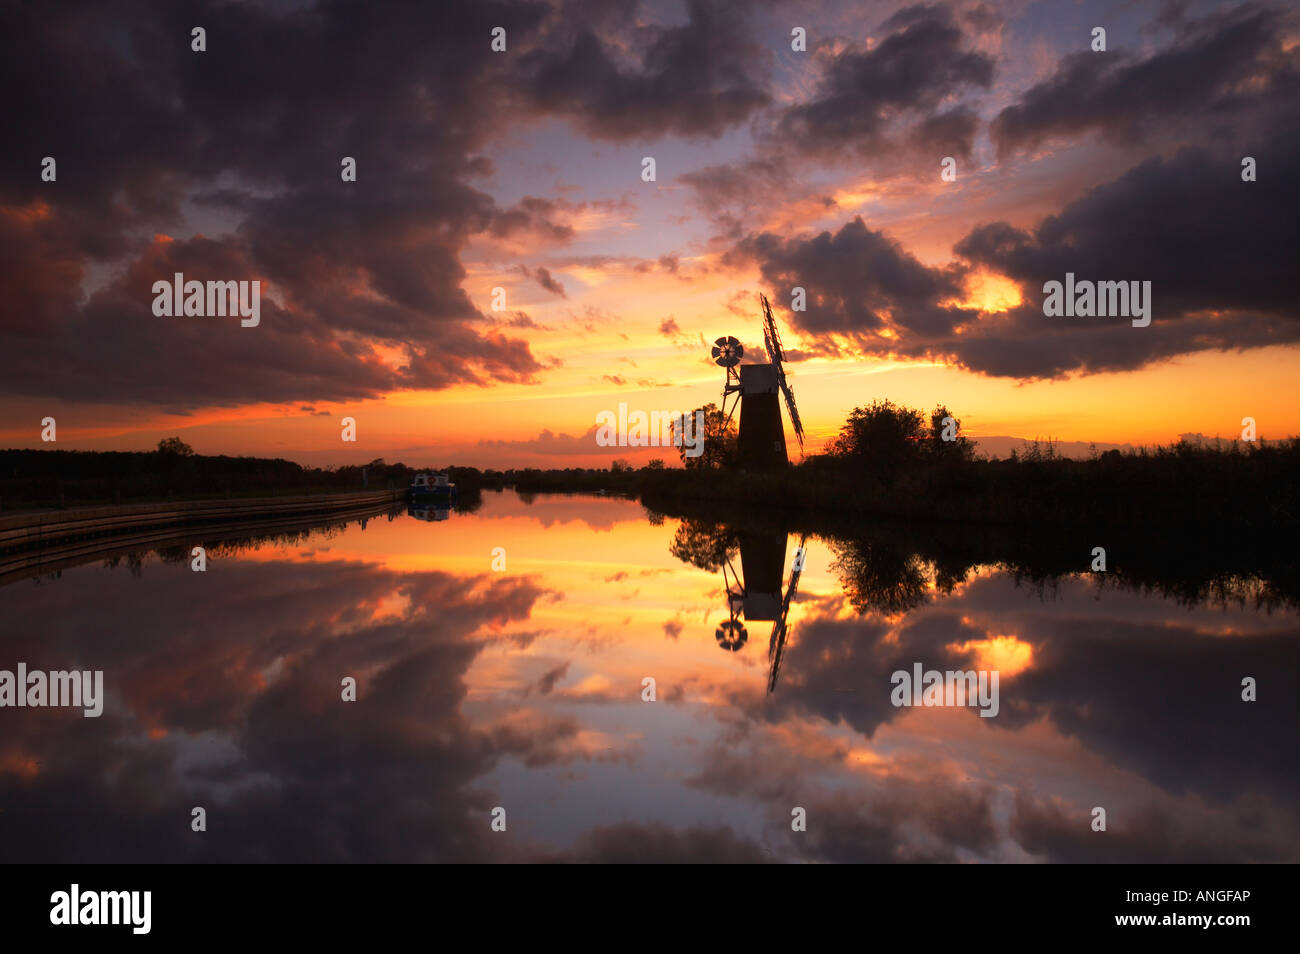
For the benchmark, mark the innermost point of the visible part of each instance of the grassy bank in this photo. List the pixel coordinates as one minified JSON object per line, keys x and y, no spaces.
{"x":1234,"y":488}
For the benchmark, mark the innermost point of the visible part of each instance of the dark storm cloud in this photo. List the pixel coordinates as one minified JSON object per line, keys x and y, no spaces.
{"x":1204,"y":238}
{"x":854,"y":279}
{"x":1220,"y":254}
{"x":253,"y":129}
{"x":922,"y":61}
{"x":888,"y":106}
{"x":696,"y":79}
{"x":1217,"y":72}
{"x":1218,"y":251}
{"x":113,"y":348}
{"x":244,"y":141}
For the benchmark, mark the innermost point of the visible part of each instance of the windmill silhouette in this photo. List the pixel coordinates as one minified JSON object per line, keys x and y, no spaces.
{"x":754,"y":387}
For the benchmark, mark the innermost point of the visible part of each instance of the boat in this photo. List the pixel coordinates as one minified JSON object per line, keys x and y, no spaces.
{"x":431,"y":488}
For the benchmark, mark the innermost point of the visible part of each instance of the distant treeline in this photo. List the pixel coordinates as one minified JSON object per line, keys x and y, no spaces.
{"x":39,"y":479}
{"x":887,"y":461}
{"x":54,"y":478}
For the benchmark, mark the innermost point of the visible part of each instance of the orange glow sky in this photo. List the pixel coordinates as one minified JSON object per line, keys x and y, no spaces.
{"x":644,"y":275}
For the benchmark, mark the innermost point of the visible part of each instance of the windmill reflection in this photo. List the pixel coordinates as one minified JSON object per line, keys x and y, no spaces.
{"x":757,"y":593}
{"x":780,"y":628}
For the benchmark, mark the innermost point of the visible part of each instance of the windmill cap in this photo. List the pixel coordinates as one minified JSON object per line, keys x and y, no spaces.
{"x":758,"y":379}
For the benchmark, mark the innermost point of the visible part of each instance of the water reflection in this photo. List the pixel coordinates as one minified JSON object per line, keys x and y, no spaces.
{"x":429,"y":512}
{"x":757,"y":593}
{"x":523,"y":688}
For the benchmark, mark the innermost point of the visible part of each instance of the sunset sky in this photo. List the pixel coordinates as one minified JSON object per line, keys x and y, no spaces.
{"x":522,"y":170}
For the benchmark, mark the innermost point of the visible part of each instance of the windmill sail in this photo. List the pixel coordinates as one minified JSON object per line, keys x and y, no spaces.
{"x":772,"y":339}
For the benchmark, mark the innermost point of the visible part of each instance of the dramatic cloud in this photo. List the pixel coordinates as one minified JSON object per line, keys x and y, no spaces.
{"x":696,"y":79}
{"x":893,"y":107}
{"x":244,"y":143}
{"x":1219,"y":72}
{"x":1218,"y":252}
{"x":876,"y":98}
{"x":859,"y":283}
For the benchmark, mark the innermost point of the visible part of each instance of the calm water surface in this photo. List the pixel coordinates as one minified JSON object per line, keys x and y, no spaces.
{"x":522,"y":688}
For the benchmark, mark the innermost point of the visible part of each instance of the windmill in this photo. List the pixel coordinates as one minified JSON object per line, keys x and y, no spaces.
{"x":754,"y":387}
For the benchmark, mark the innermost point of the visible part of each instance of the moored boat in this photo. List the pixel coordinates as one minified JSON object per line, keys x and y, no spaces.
{"x":431,"y":487}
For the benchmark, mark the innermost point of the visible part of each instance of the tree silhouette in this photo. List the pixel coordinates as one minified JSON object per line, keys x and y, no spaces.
{"x":958,"y":449}
{"x":884,"y":437}
{"x":702,"y":544}
{"x":879,"y":576}
{"x":174,"y":445}
{"x":719,"y":436}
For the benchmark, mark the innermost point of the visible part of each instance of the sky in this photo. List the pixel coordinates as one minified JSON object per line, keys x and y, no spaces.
{"x":500,"y":272}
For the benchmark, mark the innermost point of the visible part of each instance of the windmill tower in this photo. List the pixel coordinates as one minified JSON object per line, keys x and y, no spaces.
{"x":754,"y":387}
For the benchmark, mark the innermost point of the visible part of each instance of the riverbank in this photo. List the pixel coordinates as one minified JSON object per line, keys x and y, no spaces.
{"x":1185,"y":489}
{"x":41,"y":529}
{"x":1230,"y":489}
